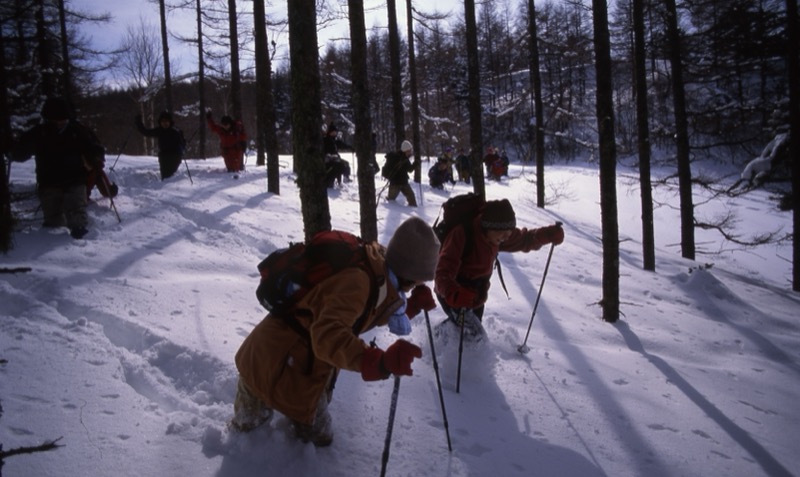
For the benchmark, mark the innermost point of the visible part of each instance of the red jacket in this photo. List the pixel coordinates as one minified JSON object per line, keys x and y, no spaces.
{"x":233,"y":143}
{"x":474,"y":270}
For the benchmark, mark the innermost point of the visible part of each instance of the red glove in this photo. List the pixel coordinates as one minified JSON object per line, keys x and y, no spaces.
{"x":552,"y":234}
{"x":421,"y":299}
{"x":372,"y":368}
{"x":377,"y":364}
{"x":463,"y":298}
{"x":399,"y":355}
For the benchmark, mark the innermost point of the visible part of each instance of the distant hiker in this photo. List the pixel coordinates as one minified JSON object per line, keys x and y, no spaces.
{"x":492,"y":162}
{"x":171,"y":143}
{"x":64,"y":151}
{"x":336,"y":168}
{"x":463,"y":166}
{"x":289,"y":363}
{"x":440,"y":173}
{"x":232,"y":141}
{"x":398,"y":165}
{"x":468,"y":255}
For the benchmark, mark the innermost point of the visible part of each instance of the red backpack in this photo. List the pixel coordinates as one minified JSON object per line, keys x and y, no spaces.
{"x":288,"y":274}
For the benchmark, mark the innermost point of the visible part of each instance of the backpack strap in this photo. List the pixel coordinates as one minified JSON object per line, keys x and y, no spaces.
{"x":372,"y":301}
{"x":469,"y":235}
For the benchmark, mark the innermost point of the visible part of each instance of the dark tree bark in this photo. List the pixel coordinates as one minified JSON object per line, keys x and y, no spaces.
{"x":793,"y":36}
{"x":397,"y":83}
{"x":266,"y":136}
{"x":66,"y":64}
{"x":201,"y":81}
{"x":6,"y":218}
{"x":162,"y":13}
{"x":608,"y":162}
{"x":45,"y":60}
{"x":236,"y":77}
{"x":475,"y":110}
{"x":643,"y":129}
{"x":307,"y":116}
{"x":363,"y":120}
{"x":412,"y":78}
{"x":536,"y":84}
{"x":681,"y":132}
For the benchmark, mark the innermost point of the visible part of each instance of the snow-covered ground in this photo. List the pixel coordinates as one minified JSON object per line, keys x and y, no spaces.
{"x":122,"y":345}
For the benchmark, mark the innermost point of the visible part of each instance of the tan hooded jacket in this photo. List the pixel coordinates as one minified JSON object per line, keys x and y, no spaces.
{"x":275,"y":362}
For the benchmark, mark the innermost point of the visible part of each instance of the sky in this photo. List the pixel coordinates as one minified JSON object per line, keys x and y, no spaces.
{"x":121,"y":345}
{"x":109,"y":36}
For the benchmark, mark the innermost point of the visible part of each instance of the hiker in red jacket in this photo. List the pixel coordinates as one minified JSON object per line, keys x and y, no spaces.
{"x":467,"y":258}
{"x":232,"y":141}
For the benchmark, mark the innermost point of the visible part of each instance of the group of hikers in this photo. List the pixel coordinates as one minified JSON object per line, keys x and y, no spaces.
{"x":70,"y":159}
{"x":441,"y":172}
{"x":290,"y":360}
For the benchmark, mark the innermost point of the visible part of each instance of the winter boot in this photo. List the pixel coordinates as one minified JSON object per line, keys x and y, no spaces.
{"x":78,"y":232}
{"x":320,"y":433}
{"x":249,"y":411}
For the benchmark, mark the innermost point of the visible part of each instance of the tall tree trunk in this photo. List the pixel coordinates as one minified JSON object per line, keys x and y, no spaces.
{"x":6,"y":217}
{"x":363,"y":120}
{"x":412,"y":78}
{"x":643,"y":129}
{"x":162,"y":13}
{"x":307,"y":116}
{"x":236,"y":77}
{"x":793,"y":36}
{"x":266,"y":137}
{"x":475,"y":111}
{"x":536,"y":84}
{"x":608,"y":162}
{"x":681,"y":132}
{"x":45,"y":56}
{"x":66,"y":64}
{"x":396,"y":73}
{"x":201,"y":81}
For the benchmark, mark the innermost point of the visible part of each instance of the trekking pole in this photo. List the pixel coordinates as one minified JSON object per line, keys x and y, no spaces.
{"x":108,"y":188}
{"x":523,"y":348}
{"x":462,"y":317}
{"x":378,"y":198}
{"x":392,"y":410}
{"x":188,"y":171}
{"x":120,"y":150}
{"x":438,"y":381}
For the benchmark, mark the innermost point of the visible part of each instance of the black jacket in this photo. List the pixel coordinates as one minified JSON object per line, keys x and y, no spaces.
{"x":171,"y":143}
{"x":63,"y":156}
{"x":397,"y":167}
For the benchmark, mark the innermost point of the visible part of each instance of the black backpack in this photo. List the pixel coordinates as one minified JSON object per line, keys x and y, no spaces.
{"x":458,"y":211}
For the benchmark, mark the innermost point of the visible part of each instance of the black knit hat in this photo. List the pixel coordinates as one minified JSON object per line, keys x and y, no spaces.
{"x":498,"y":215}
{"x":226,"y":120}
{"x":332,"y":128}
{"x":413,"y":250}
{"x":165,"y":115}
{"x":55,"y":109}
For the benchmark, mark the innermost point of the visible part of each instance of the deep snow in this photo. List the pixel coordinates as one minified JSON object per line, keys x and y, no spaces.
{"x":123,"y":344}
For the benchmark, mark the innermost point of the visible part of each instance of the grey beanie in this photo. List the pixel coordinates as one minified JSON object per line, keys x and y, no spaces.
{"x":413,"y":251}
